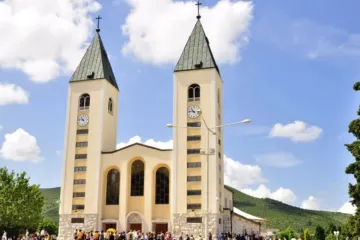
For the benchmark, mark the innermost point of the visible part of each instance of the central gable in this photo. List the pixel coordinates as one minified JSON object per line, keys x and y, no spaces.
{"x":138,"y":150}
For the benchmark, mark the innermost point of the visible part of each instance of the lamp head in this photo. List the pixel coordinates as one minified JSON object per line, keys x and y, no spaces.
{"x":169,"y":125}
{"x":246,"y":121}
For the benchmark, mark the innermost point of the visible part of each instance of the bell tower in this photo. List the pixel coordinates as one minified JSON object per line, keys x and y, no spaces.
{"x":91,"y":126}
{"x":198,"y":174}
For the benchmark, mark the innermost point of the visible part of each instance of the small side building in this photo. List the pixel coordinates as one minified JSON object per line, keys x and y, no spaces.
{"x":237,"y":221}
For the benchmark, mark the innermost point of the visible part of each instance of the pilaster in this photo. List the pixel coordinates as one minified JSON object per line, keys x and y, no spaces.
{"x":148,"y":196}
{"x":124,"y":195}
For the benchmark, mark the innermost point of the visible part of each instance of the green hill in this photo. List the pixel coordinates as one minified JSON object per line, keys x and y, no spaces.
{"x":279,"y":214}
{"x":282,"y":215}
{"x":51,"y":206}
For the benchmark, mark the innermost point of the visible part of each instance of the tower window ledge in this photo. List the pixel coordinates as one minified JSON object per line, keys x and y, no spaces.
{"x":84,"y":108}
{"x":194,"y":99}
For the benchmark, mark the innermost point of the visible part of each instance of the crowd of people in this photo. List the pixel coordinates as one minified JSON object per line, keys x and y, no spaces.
{"x":43,"y":235}
{"x":131,"y":235}
{"x":138,"y":235}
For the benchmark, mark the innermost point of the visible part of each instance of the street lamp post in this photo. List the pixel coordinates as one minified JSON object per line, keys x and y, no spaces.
{"x":336,"y":233}
{"x":208,"y":152}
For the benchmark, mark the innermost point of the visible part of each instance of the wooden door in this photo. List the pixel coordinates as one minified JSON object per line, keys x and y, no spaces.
{"x":110,"y":225}
{"x":135,"y":226}
{"x":161,"y":227}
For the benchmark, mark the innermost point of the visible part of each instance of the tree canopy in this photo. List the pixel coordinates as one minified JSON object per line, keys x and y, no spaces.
{"x":307,"y":234}
{"x":354,"y":169}
{"x":21,"y":203}
{"x":319,"y":233}
{"x":48,"y":226}
{"x":288,"y":234}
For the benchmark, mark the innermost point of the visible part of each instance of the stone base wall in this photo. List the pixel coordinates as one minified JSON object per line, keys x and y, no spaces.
{"x":226,"y":223}
{"x":67,"y":229}
{"x":241,"y":225}
{"x":180,"y":225}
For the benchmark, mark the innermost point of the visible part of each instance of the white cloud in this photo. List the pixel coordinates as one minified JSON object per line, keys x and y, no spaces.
{"x":20,"y":146}
{"x":12,"y":94}
{"x":323,"y":41}
{"x":149,"y":142}
{"x":239,"y":176}
{"x":308,"y":38}
{"x":284,"y":195}
{"x":348,"y":208}
{"x":1,"y":127}
{"x":45,"y":38}
{"x":311,"y":203}
{"x":278,"y":159}
{"x":58,"y":153}
{"x":298,"y":131}
{"x":161,"y":38}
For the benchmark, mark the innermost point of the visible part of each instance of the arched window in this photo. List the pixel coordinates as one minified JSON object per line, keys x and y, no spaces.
{"x":110,"y":105}
{"x":84,"y":102}
{"x":137,"y":178}
{"x":194,"y":93}
{"x":113,"y":187}
{"x":162,"y":186}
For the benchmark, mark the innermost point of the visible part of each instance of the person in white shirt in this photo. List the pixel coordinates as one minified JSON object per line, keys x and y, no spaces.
{"x":135,"y":236}
{"x":4,"y":236}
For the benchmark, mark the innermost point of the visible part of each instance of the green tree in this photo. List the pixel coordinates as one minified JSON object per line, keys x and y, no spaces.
{"x":307,"y":234}
{"x":319,"y":233}
{"x":21,"y":203}
{"x":288,"y":233}
{"x":354,"y":169}
{"x":301,"y":233}
{"x":348,"y":228}
{"x":48,"y":226}
{"x":330,"y":228}
{"x":330,"y":236}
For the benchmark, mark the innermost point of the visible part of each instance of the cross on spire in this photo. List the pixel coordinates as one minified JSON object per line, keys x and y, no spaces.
{"x":98,"y":23}
{"x":198,"y":6}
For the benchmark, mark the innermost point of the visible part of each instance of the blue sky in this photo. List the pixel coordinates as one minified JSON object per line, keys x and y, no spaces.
{"x":281,"y":61}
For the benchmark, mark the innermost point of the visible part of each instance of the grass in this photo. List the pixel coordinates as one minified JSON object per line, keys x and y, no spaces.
{"x":279,"y":214}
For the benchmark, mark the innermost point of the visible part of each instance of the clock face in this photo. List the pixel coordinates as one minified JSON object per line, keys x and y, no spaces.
{"x":83,"y":120}
{"x":193,"y":111}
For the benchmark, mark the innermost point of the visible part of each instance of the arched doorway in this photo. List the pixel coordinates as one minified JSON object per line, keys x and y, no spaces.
{"x":134,"y":222}
{"x":160,"y":225}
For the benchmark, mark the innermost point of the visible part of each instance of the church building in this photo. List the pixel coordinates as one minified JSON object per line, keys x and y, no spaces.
{"x":140,"y":187}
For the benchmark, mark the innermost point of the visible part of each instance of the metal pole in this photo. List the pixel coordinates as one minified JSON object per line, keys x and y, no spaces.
{"x":207,"y":183}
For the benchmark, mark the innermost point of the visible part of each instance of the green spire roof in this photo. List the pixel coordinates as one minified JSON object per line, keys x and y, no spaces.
{"x":197,"y":52}
{"x":95,"y":64}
